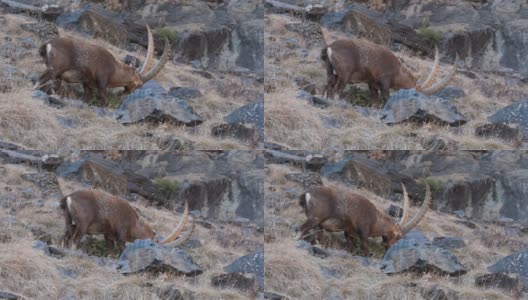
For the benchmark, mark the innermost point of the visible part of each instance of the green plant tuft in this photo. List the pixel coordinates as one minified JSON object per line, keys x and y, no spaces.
{"x":165,"y":32}
{"x":168,"y":187}
{"x":433,"y":37}
{"x":434,"y":184}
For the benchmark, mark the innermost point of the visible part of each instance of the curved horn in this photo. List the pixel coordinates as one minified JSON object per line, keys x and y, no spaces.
{"x":419,"y":216}
{"x":435,"y":88}
{"x":405,"y":206}
{"x":157,"y":68}
{"x":182,"y":238}
{"x":150,"y":53}
{"x":432,"y":75}
{"x":176,"y":232}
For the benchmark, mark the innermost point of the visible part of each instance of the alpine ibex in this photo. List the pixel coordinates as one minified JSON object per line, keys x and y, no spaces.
{"x":97,"y":212}
{"x":358,"y":60}
{"x":76,"y":61}
{"x":354,"y":214}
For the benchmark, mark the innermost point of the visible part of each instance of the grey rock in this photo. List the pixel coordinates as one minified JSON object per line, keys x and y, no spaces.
{"x":238,"y":281}
{"x":96,"y":21}
{"x":249,"y":263}
{"x":499,"y":130}
{"x":449,"y":242}
{"x":40,"y":95}
{"x":498,"y":280}
{"x":313,"y":100}
{"x":9,"y":296}
{"x":192,"y":243}
{"x":450,"y":93}
{"x":46,"y":31}
{"x":306,"y":179}
{"x":148,"y":105}
{"x":49,"y":250}
{"x":146,"y":256}
{"x":250,"y":113}
{"x":395,"y":211}
{"x":409,"y":256}
{"x":238,"y":131}
{"x":184,"y":93}
{"x":515,"y":263}
{"x":516,"y":113}
{"x":47,"y":182}
{"x":410,"y":106}
{"x":274,"y":296}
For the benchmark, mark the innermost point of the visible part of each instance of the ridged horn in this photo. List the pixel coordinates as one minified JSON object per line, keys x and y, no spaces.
{"x":159,"y":65}
{"x":419,"y":216}
{"x":150,"y":53}
{"x":406,"y":206}
{"x":435,"y":88}
{"x":432,"y":75}
{"x":177,"y":231}
{"x":182,"y":238}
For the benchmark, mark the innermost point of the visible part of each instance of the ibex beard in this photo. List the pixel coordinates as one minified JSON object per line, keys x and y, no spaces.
{"x":335,"y":210}
{"x":97,"y":212}
{"x":358,"y":60}
{"x":76,"y":61}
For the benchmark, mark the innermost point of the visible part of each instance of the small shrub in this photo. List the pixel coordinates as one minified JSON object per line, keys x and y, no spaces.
{"x":432,"y":36}
{"x":164,"y":32}
{"x":434,"y":184}
{"x":168,"y":187}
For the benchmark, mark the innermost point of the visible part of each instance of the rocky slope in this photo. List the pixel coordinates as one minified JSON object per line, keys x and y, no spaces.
{"x":223,"y":258}
{"x":480,"y":110}
{"x":471,"y":245}
{"x":208,"y":96}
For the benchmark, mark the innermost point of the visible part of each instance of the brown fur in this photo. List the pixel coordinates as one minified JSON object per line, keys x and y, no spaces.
{"x":97,"y":212}
{"x":352,"y":213}
{"x":74,"y":60}
{"x":358,"y":60}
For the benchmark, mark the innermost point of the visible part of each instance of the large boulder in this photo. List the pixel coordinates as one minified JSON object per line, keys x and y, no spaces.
{"x":149,"y":105}
{"x":410,"y":106}
{"x":410,"y":256}
{"x":146,"y":256}
{"x":96,"y":21}
{"x":252,"y":113}
{"x":516,"y":113}
{"x":249,"y":263}
{"x":515,"y":263}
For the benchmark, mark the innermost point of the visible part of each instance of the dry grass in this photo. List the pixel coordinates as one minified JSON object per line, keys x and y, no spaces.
{"x":30,"y":273}
{"x":33,"y":125}
{"x":299,"y":125}
{"x":294,"y":272}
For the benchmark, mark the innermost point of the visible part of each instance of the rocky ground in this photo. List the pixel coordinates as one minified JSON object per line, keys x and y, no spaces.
{"x":223,"y":258}
{"x":481,"y":109}
{"x":208,"y":96}
{"x":471,"y":244}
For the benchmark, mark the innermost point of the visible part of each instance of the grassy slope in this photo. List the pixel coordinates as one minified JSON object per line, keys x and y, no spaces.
{"x":30,"y":273}
{"x":34,"y":125}
{"x":299,"y":125}
{"x":294,"y":272}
